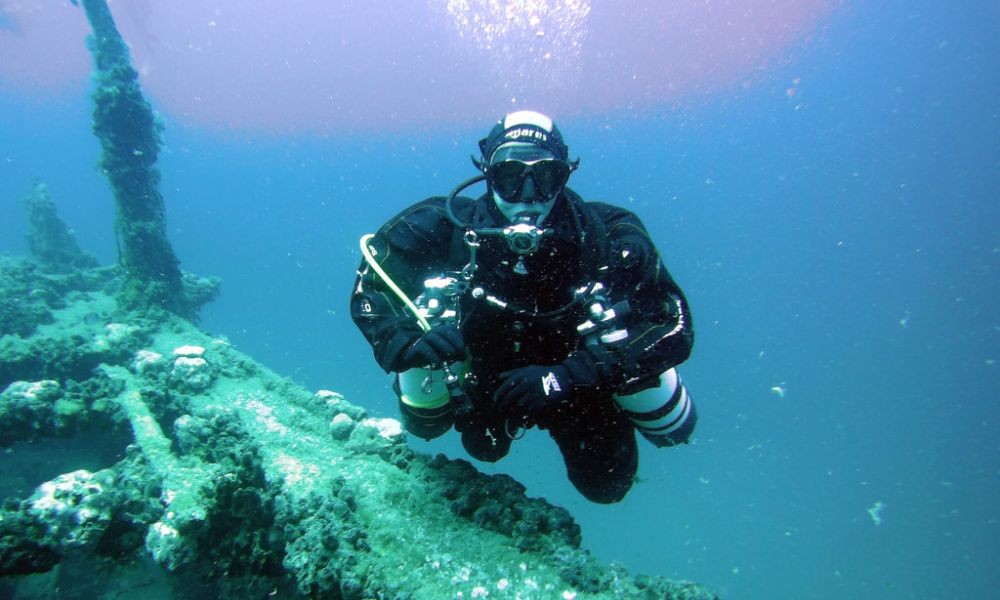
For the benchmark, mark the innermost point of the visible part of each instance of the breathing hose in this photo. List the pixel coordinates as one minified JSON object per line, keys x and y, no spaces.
{"x":450,"y":378}
{"x":370,"y":259}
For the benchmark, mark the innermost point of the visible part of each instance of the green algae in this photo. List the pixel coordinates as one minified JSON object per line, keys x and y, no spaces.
{"x":238,"y":482}
{"x":130,"y":137}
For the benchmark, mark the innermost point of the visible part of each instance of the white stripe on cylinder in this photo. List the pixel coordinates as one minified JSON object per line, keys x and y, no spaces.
{"x":678,"y":414}
{"x":653,"y":398}
{"x":681,"y":421}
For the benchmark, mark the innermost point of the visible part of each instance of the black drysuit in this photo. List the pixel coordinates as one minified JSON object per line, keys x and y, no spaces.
{"x":590,"y":242}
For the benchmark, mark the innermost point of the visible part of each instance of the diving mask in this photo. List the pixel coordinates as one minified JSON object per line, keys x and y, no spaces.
{"x":549,"y":176}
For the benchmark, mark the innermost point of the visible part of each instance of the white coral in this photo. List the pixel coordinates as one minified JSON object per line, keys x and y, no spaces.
{"x":189,"y":350}
{"x":341,"y":426}
{"x":191,"y":373}
{"x":74,"y":506}
{"x":389,"y":429}
{"x":46,"y":389}
{"x":115,"y":334}
{"x":146,"y":360}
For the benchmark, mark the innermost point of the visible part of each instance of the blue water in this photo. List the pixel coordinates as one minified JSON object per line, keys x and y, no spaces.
{"x":839,"y":246}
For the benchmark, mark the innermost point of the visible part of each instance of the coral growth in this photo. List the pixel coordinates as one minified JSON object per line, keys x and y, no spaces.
{"x":234,"y":480}
{"x":129,"y":133}
{"x":51,"y":243}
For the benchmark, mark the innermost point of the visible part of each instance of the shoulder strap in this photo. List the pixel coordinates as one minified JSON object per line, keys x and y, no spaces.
{"x":596,"y":248}
{"x":458,"y":253}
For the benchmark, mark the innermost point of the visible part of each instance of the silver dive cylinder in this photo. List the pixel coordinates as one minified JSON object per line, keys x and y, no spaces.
{"x":426,"y":393}
{"x":664,"y":415}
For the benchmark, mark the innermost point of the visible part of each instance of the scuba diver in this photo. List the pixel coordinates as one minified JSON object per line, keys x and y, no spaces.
{"x":529,"y":307}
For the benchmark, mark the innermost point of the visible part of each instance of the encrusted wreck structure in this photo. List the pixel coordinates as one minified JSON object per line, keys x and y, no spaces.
{"x":175,"y":461}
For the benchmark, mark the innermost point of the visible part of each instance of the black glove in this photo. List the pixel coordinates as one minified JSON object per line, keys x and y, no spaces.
{"x":533,"y":391}
{"x":441,"y":344}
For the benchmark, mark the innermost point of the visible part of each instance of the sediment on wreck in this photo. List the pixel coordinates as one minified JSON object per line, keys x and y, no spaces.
{"x":51,"y":244}
{"x":130,"y":139}
{"x":212,"y":476}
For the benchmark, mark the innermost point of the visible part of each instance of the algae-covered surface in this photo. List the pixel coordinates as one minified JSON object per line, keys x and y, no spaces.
{"x":143,"y":453}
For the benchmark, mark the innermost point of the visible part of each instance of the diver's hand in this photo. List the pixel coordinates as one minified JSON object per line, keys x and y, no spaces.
{"x":533,"y":391}
{"x":441,"y":344}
